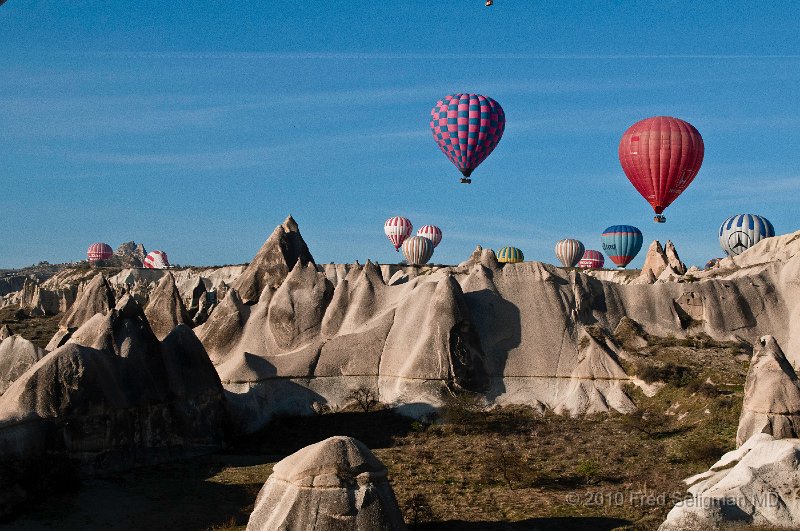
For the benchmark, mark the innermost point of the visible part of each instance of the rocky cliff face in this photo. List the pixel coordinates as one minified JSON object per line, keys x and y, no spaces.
{"x":113,"y":396}
{"x":526,"y":333}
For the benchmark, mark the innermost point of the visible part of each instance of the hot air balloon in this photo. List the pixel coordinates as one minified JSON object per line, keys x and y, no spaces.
{"x":432,"y":232}
{"x":99,"y":251}
{"x":591,"y":260}
{"x":156,"y":260}
{"x":417,"y":250}
{"x":622,"y":243}
{"x":661,"y":156}
{"x":740,"y":232}
{"x":397,"y":229}
{"x":467,"y":127}
{"x":569,"y":252}
{"x":510,"y":255}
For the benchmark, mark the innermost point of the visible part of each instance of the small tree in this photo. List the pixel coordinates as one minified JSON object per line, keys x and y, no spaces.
{"x":365,"y":397}
{"x":419,"y":510}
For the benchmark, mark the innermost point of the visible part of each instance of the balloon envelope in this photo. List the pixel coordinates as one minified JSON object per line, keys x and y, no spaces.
{"x":397,"y":229}
{"x":661,"y":157}
{"x":156,"y":260}
{"x":432,"y":232}
{"x":740,"y":232}
{"x":99,"y":251}
{"x":569,"y":252}
{"x":510,"y":255}
{"x":417,"y":250}
{"x":591,"y":260}
{"x":467,"y":127}
{"x":622,"y":243}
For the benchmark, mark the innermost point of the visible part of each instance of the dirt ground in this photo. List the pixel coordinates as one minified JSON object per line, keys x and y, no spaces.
{"x":470,"y":469}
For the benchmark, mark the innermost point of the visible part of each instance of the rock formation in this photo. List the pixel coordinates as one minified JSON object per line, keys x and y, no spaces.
{"x":5,"y":331}
{"x":757,"y":484}
{"x":165,"y":310}
{"x":333,"y":485}
{"x":273,"y":262}
{"x":17,"y":355}
{"x":114,"y":397}
{"x":95,"y":297}
{"x":771,"y":395}
{"x":526,"y":333}
{"x":661,"y":263}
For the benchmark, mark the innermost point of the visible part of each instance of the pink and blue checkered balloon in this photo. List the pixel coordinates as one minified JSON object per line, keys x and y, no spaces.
{"x":467,"y":127}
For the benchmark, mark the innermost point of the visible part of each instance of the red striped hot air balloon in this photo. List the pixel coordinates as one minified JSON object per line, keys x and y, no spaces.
{"x":156,"y":260}
{"x":592,"y":260}
{"x":397,"y":229}
{"x":661,"y":157}
{"x":418,"y":250}
{"x":432,"y":232}
{"x":99,"y":251}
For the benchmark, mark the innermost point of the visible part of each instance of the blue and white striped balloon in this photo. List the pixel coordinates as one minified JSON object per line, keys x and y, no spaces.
{"x":740,"y":232}
{"x":418,"y":250}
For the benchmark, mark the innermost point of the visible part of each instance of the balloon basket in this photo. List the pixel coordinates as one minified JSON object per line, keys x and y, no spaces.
{"x":466,"y":180}
{"x":660,"y":219}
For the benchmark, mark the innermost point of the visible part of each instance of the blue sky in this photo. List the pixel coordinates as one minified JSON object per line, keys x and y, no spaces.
{"x":196,"y":127}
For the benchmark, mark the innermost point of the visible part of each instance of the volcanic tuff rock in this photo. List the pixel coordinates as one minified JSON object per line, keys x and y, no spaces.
{"x":333,"y":485}
{"x":771,"y":395}
{"x":661,"y":263}
{"x":527,"y":333}
{"x":5,"y":331}
{"x":115,"y":397}
{"x":94,"y":297}
{"x":17,"y":355}
{"x":273,"y":262}
{"x":166,"y":310}
{"x":757,"y":484}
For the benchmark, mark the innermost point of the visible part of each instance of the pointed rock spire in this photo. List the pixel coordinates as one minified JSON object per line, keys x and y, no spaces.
{"x":771,"y":395}
{"x":274,"y":260}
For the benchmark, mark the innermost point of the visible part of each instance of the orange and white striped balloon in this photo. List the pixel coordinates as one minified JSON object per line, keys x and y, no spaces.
{"x":569,"y":252}
{"x":418,"y":250}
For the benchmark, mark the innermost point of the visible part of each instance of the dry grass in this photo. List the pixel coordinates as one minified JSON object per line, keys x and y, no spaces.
{"x":508,"y":468}
{"x":39,"y":330}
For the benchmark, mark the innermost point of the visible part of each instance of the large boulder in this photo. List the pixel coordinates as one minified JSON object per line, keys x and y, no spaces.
{"x":771,"y":395}
{"x":282,"y":250}
{"x":333,"y":485}
{"x":115,"y":397}
{"x":757,"y":484}
{"x":165,"y":309}
{"x":17,"y":355}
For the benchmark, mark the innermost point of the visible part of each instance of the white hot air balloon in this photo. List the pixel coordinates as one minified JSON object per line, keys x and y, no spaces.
{"x":432,"y":232}
{"x":418,"y":250}
{"x":740,"y":232}
{"x":397,"y":229}
{"x":569,"y":252}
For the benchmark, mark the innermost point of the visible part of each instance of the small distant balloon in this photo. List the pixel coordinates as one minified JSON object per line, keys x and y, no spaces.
{"x":99,"y":251}
{"x":418,"y":250}
{"x":591,"y":260}
{"x":569,"y":252}
{"x":510,"y":255}
{"x":661,"y":156}
{"x":397,"y":229}
{"x":467,"y":128}
{"x":740,"y":232}
{"x":489,"y":3}
{"x":156,"y":260}
{"x":432,"y":232}
{"x":622,"y":243}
